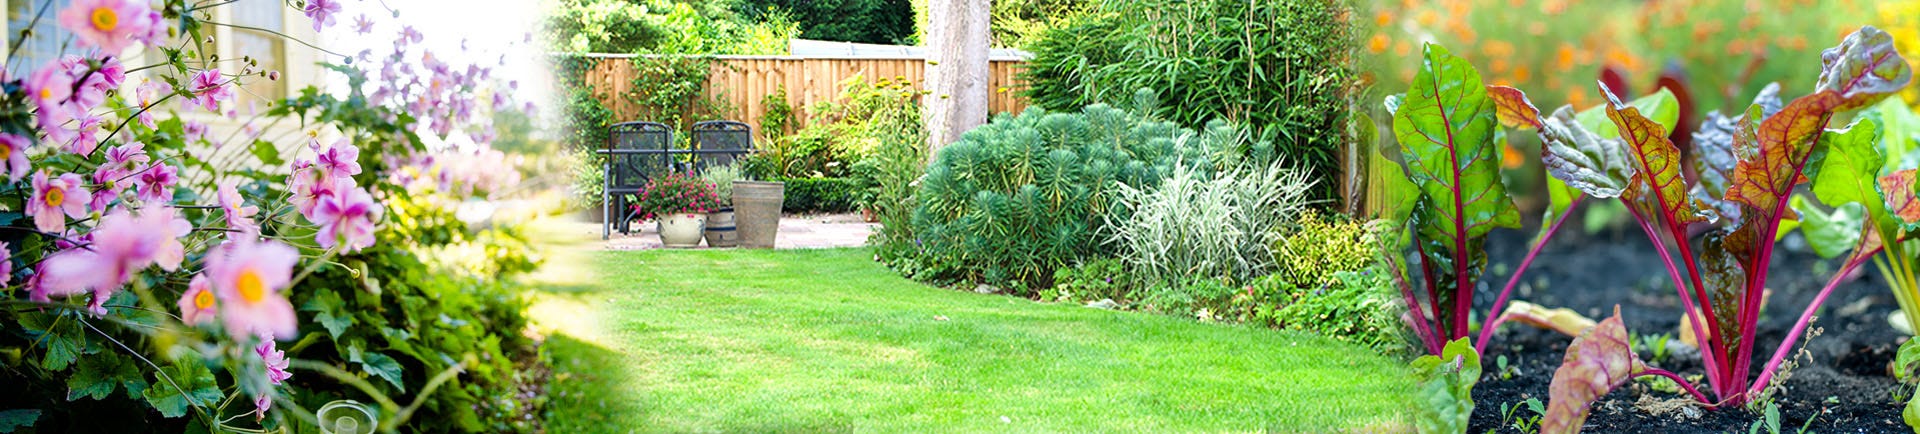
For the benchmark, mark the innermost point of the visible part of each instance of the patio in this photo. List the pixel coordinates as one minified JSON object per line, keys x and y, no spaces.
{"x":817,"y":231}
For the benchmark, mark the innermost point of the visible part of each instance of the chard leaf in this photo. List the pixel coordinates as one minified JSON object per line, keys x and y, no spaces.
{"x":1597,"y":362}
{"x":1845,"y":171}
{"x":1587,"y":162}
{"x":1830,"y":234}
{"x":1762,"y":181}
{"x":1863,"y":69}
{"x":1901,"y":202}
{"x":1445,"y":395}
{"x":1726,"y":283}
{"x":1657,"y":184}
{"x":13,"y":420}
{"x":1661,"y":107}
{"x":1446,"y":128}
{"x":1513,"y":108}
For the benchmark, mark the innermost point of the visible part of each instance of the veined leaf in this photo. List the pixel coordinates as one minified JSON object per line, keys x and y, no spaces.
{"x":1722,"y":143}
{"x":1584,"y":160}
{"x":1445,"y":395}
{"x":1660,"y":106}
{"x":1725,"y":281}
{"x":1901,"y":202}
{"x":1845,"y":170}
{"x":1830,"y":234}
{"x":1446,"y":129}
{"x":1863,"y":69}
{"x":1657,"y":184}
{"x":1597,"y":362}
{"x":1761,"y":182}
{"x":1513,"y":108}
{"x":177,"y":387}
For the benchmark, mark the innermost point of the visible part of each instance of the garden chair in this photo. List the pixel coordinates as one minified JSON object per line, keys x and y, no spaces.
{"x":720,"y":143}
{"x":635,"y":152}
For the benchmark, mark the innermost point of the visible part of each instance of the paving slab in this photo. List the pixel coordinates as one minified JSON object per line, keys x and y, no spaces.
{"x":819,"y":231}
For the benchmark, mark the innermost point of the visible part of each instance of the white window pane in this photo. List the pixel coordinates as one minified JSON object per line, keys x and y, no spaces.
{"x":46,"y":41}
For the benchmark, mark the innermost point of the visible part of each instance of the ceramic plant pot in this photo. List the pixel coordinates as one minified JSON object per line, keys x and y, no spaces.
{"x":682,"y":230}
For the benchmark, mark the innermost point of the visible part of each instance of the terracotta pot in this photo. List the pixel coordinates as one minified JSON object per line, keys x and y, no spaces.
{"x":682,"y":230}
{"x":867,"y":215}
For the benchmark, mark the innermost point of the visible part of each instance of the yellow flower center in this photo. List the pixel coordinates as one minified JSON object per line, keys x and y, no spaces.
{"x":5,"y":152}
{"x":203,"y":300}
{"x":55,"y":197}
{"x":46,"y":94}
{"x":251,"y":289}
{"x":105,"y":19}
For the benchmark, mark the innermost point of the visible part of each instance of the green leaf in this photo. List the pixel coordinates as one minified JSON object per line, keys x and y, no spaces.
{"x":330,"y":311}
{"x":1904,"y":364}
{"x":1582,"y":159}
{"x":1845,"y":169}
{"x":1661,"y":107}
{"x":267,"y":153}
{"x":1863,"y":69}
{"x":1830,"y":234}
{"x":1446,"y":130}
{"x":1597,"y":362}
{"x":191,"y":385}
{"x":13,"y":420}
{"x":1444,"y":399}
{"x":379,"y":365}
{"x":96,"y":377}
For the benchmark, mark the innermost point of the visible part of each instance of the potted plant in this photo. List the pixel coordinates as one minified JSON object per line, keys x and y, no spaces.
{"x":720,"y":229}
{"x":678,"y":203}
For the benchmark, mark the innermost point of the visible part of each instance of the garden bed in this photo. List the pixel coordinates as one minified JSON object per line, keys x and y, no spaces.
{"x":1846,"y":382}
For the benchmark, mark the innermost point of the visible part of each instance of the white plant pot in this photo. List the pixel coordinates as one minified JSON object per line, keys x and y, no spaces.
{"x":682,"y":230}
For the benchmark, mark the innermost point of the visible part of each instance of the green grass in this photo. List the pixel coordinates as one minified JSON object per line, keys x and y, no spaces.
{"x":828,"y":340}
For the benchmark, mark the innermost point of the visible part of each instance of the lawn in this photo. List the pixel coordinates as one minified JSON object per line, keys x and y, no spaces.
{"x":829,"y":340}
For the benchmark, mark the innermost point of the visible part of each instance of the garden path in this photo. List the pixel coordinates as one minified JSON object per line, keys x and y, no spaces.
{"x":816,"y":231}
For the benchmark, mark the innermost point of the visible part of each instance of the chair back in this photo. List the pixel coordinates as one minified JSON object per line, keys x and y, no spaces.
{"x":630,"y":171}
{"x":720,"y":143}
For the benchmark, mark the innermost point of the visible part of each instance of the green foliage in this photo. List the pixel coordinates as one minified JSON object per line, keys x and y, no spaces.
{"x":1318,"y":247}
{"x":1279,"y":66}
{"x":1090,"y":281}
{"x":394,"y":316}
{"x":722,"y":178}
{"x":1018,"y":23}
{"x":663,"y":26}
{"x":1905,"y":363}
{"x":1194,"y":224}
{"x":899,"y":159}
{"x":1024,"y":195}
{"x":1511,"y":417}
{"x":1359,"y":307}
{"x":866,"y":21}
{"x":1444,"y":400}
{"x":672,"y":90}
{"x":776,"y":113}
{"x":812,"y":195}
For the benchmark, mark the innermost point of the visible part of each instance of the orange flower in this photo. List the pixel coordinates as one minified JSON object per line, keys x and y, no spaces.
{"x":1521,"y":74}
{"x":1563,"y":61}
{"x":1383,"y":18}
{"x":1510,"y":158}
{"x":1427,"y":17}
{"x":1377,"y":44}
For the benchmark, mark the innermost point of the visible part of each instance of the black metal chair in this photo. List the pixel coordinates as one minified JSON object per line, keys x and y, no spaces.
{"x":636,"y":151}
{"x":720,"y":143}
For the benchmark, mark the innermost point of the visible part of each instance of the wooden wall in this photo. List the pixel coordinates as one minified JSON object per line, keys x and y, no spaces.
{"x":741,"y":82}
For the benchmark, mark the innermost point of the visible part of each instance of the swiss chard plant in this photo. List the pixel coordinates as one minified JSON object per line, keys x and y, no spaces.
{"x":1749,"y":167}
{"x":1449,"y":128}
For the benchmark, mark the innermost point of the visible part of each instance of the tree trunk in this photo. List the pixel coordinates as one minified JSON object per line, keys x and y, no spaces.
{"x":957,"y":74}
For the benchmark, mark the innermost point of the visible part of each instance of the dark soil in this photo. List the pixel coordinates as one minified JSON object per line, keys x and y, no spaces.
{"x":1842,"y":383}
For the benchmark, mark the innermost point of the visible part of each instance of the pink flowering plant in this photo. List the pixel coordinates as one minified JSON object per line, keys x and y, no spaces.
{"x":675,"y":193}
{"x":171,"y":252}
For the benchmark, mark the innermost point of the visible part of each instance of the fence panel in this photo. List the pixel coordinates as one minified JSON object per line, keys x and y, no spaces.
{"x":741,"y":83}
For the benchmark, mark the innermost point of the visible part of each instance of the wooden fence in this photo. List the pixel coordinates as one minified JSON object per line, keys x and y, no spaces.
{"x":740,"y":83}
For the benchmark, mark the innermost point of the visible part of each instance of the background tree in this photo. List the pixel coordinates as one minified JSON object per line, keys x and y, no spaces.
{"x":957,"y":74}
